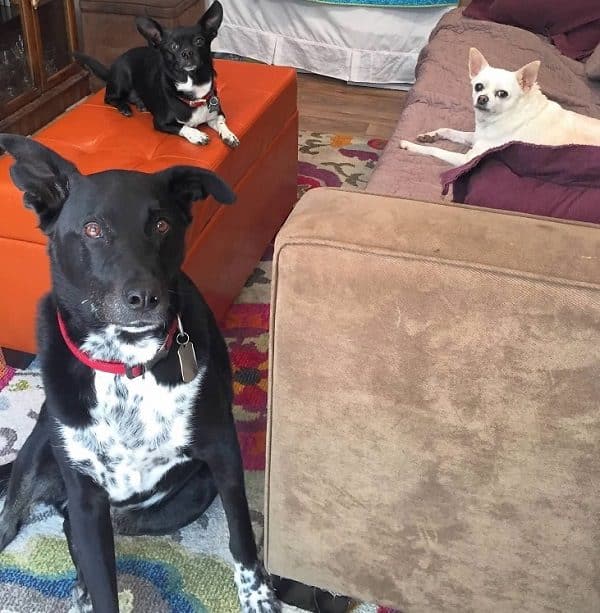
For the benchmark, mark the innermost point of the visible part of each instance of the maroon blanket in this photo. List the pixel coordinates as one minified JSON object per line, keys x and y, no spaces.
{"x":572,"y":25}
{"x":561,"y":182}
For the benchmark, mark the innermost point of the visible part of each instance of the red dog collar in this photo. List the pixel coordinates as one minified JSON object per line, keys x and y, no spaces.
{"x":196,"y":102}
{"x":116,"y":368}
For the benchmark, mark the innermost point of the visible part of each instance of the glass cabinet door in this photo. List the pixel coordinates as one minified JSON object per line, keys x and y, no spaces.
{"x":15,"y":69}
{"x":52,"y":18}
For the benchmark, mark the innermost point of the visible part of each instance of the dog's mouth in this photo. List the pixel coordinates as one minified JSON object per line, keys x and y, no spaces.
{"x":140,"y":327}
{"x":190,"y":68}
{"x":481,"y":107}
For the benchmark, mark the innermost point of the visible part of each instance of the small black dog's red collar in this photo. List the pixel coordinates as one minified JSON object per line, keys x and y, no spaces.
{"x":196,"y":102}
{"x":116,"y":368}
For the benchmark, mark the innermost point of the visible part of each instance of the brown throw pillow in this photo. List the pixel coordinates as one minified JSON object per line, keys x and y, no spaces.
{"x":592,"y":65}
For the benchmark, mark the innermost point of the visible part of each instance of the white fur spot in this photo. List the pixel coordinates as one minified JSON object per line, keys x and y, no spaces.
{"x":199,"y":114}
{"x":194,"y":136}
{"x":107,"y":345}
{"x":195,"y":91}
{"x":80,"y":600}
{"x":254,"y":593}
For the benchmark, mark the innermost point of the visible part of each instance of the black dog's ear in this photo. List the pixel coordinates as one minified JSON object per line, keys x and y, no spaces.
{"x":211,"y":20}
{"x":42,"y":174}
{"x":151,"y":30}
{"x":186,"y":184}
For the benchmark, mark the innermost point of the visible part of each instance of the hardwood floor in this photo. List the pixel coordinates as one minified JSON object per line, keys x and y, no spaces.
{"x":329,"y":105}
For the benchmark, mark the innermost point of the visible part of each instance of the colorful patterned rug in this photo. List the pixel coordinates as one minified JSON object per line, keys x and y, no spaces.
{"x":189,"y":571}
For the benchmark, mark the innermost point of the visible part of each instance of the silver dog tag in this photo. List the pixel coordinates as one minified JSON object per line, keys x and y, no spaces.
{"x":186,"y":354}
{"x":214,"y":106}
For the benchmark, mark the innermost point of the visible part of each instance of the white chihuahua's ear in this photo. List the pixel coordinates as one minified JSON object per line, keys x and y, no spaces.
{"x":476,"y":62}
{"x":527,"y":76}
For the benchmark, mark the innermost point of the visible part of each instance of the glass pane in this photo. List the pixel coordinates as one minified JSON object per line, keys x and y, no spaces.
{"x":55,"y":41}
{"x":15,"y":73}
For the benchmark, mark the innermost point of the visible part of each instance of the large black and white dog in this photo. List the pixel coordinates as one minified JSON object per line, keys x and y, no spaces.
{"x":136,"y":430}
{"x":174,"y":78}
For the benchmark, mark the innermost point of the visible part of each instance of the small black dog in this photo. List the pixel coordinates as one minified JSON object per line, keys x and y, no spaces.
{"x":137,"y":419}
{"x":174,"y":78}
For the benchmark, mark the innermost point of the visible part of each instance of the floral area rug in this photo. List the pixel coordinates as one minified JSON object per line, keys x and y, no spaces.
{"x":189,"y":571}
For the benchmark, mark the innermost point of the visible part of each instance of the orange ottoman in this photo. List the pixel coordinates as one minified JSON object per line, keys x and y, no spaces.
{"x":223,"y":243}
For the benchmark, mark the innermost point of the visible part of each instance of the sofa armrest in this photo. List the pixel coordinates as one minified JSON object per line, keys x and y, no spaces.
{"x":433,"y":405}
{"x":479,"y":236}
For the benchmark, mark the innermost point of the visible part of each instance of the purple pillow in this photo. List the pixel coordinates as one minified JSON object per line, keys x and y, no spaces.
{"x":580,"y":42}
{"x":561,"y":182}
{"x":572,"y":25}
{"x":479,"y":9}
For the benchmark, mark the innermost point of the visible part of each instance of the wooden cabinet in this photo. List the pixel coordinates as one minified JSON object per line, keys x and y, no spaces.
{"x":38,"y":78}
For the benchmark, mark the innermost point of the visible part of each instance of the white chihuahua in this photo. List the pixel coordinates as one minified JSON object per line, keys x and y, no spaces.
{"x":509,"y":106}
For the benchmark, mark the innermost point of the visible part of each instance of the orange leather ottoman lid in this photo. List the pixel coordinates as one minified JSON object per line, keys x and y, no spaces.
{"x":257,"y":100}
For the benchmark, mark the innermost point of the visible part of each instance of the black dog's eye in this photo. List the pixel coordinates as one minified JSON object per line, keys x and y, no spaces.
{"x":502,"y":94}
{"x":92,"y":230}
{"x":478,"y":87}
{"x":162,"y":226}
{"x":198,"y":42}
{"x":174,"y":46}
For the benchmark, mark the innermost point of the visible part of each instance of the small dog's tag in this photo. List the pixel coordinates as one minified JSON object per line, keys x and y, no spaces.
{"x":186,"y":354}
{"x":214,"y":106}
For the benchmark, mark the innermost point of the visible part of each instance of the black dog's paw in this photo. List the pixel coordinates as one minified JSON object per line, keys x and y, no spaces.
{"x":137,"y":102}
{"x":194,"y":136}
{"x":80,"y":600}
{"x":267,"y":603}
{"x":124,"y":109}
{"x":254,"y":590}
{"x":231,"y":140}
{"x":8,"y":530}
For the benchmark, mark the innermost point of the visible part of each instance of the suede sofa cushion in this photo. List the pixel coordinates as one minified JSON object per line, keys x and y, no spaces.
{"x":561,"y":182}
{"x":573,"y":26}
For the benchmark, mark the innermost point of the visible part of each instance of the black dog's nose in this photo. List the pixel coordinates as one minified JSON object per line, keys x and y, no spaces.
{"x":186,"y":53}
{"x":142,"y":299}
{"x":482,"y":100}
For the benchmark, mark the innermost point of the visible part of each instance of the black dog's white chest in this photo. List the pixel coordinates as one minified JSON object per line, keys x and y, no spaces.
{"x":199,"y":114}
{"x":138,"y":432}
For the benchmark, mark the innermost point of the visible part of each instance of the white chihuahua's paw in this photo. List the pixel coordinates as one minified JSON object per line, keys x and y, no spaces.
{"x":428,"y":137}
{"x":405,"y":144}
{"x":194,"y":136}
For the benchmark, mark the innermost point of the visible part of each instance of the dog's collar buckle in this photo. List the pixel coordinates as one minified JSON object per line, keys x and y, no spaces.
{"x":135,"y":371}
